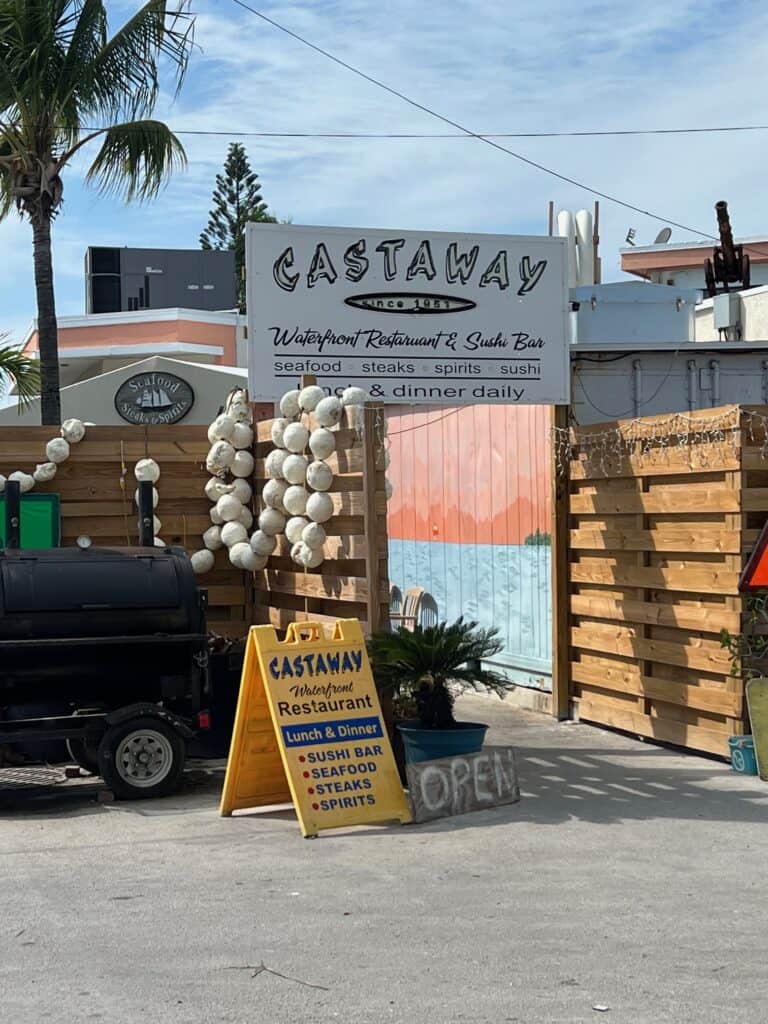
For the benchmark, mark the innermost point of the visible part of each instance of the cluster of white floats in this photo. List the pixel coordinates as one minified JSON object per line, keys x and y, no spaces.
{"x":57,"y":450}
{"x":295,"y":500}
{"x":294,"y":497}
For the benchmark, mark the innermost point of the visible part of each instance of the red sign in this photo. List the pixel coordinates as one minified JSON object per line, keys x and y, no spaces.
{"x":755,"y":574}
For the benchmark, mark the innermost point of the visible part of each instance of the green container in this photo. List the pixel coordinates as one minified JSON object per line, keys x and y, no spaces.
{"x":40,"y":521}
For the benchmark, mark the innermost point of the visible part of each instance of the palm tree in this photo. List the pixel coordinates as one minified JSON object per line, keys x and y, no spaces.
{"x":64,"y":83}
{"x":21,"y":370}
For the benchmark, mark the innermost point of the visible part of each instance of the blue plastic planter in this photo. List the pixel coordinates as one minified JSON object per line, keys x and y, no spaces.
{"x":430,"y":744}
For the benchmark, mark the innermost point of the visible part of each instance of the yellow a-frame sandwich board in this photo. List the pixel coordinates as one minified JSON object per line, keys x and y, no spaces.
{"x":309,"y":728}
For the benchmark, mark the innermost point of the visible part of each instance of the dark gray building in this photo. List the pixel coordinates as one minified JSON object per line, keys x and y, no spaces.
{"x":122,"y":280}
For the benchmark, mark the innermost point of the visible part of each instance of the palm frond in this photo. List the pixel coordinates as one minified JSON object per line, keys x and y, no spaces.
{"x":122,"y":79}
{"x":447,"y":652}
{"x":22,"y":370}
{"x":136,"y":160}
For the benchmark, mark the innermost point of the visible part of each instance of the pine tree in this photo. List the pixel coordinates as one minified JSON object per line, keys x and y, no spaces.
{"x":236,"y":200}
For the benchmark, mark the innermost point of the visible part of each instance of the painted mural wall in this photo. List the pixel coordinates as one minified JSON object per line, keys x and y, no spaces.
{"x":469,"y":520}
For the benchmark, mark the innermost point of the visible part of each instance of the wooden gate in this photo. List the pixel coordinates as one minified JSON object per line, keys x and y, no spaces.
{"x":661,"y":515}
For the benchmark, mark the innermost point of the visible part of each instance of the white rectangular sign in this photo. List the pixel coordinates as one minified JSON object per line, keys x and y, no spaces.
{"x":411,"y":316}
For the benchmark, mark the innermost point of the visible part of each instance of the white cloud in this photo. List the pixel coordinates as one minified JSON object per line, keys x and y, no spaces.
{"x":504,"y":67}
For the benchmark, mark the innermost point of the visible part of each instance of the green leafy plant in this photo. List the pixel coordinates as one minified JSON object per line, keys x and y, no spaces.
{"x":749,"y":649}
{"x":23,"y":371}
{"x":422,"y":670}
{"x":66,"y":84}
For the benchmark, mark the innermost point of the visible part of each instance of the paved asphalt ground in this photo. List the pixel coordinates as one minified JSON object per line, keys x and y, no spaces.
{"x":629,"y":877}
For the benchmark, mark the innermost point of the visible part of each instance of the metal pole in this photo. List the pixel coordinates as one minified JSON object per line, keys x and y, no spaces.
{"x":146,"y":526}
{"x":13,"y":514}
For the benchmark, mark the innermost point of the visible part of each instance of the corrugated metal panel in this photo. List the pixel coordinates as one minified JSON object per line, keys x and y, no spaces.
{"x":470,"y":497}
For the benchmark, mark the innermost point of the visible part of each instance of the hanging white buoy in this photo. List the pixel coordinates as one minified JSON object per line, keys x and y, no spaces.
{"x":289,"y":404}
{"x":278,"y":430}
{"x":328,"y":411}
{"x":273,"y":464}
{"x":295,"y":437}
{"x":212,"y":538}
{"x":307,"y":557}
{"x":242,"y":464}
{"x":229,"y":508}
{"x":73,"y":431}
{"x":233,"y":533}
{"x":219,"y":458}
{"x":319,"y":507}
{"x":322,"y":443}
{"x":319,"y":475}
{"x":295,"y":469}
{"x":273,"y":493}
{"x":44,"y":472}
{"x":295,"y":500}
{"x":242,"y":490}
{"x":294,"y":529}
{"x":242,"y":436}
{"x":147,"y":469}
{"x":314,"y":536}
{"x":271,"y":521}
{"x":214,"y":489}
{"x":26,"y":482}
{"x":246,"y":517}
{"x":221,"y":429}
{"x":215,"y":517}
{"x":310,"y":396}
{"x":263,"y":543}
{"x":354,"y":396}
{"x":155,"y":497}
{"x":3,"y":481}
{"x":57,"y":450}
{"x":202,"y":561}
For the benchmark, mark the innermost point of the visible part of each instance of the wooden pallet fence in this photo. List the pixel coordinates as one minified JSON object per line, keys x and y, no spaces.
{"x":353,"y":581}
{"x":96,"y":487}
{"x":657,"y":540}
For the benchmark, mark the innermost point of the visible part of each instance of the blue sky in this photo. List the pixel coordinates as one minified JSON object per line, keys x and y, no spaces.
{"x":549,"y":66}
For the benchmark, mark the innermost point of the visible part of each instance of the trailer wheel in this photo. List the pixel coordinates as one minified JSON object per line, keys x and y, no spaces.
{"x":142,"y":758}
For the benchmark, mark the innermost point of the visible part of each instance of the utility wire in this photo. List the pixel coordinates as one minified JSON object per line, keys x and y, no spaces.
{"x":457,"y":135}
{"x":468,"y":131}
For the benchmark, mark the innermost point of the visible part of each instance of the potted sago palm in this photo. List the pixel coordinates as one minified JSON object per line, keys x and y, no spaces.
{"x":420,"y":673}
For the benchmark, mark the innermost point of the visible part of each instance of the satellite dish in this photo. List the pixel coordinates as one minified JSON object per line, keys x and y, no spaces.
{"x":663,"y":236}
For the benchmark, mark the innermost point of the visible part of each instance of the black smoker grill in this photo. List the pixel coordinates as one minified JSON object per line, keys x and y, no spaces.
{"x":117,"y":637}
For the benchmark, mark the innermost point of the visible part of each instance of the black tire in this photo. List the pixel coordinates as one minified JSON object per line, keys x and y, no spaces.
{"x":142,"y":758}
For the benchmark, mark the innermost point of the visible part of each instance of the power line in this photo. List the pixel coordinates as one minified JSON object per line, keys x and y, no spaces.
{"x":606,"y":133}
{"x":467,"y":131}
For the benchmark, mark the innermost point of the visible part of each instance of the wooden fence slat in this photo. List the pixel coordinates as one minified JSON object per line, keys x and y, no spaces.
{"x":670,"y":462}
{"x":718,"y":581}
{"x":711,"y":741}
{"x":713,"y":499}
{"x":330,"y":588}
{"x":709,"y":618}
{"x":702,"y":654}
{"x":668,"y":538}
{"x":657,"y":688}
